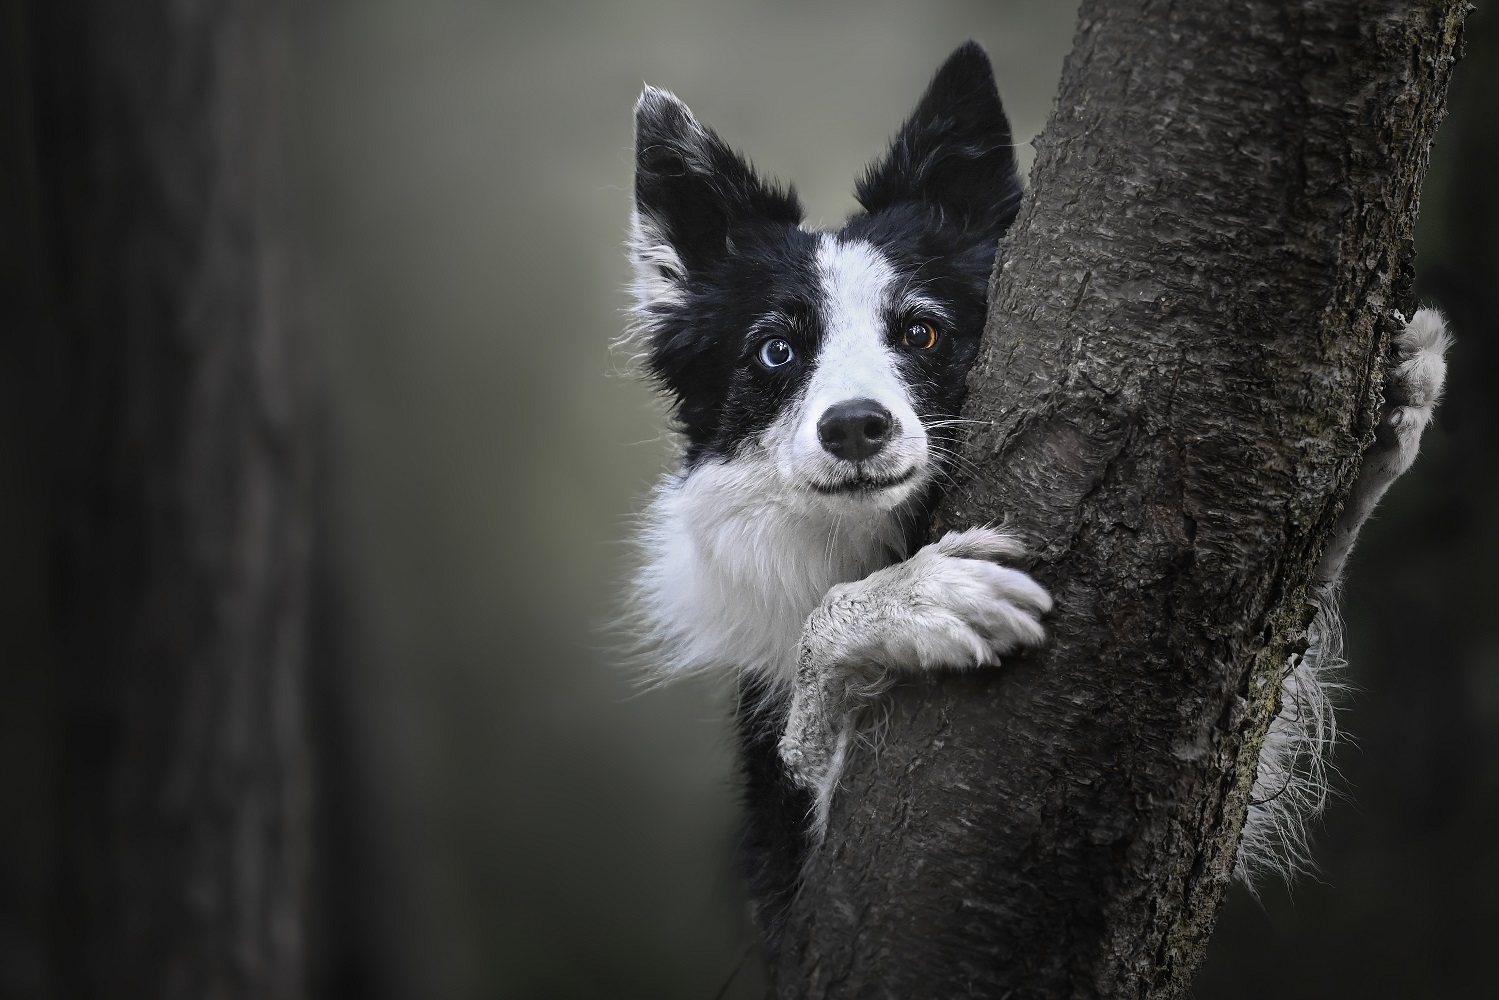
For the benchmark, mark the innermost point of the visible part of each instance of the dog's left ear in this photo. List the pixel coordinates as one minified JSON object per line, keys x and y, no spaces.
{"x":955,"y":152}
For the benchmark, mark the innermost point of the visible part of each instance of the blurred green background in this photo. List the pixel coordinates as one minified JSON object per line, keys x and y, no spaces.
{"x":517,"y":818}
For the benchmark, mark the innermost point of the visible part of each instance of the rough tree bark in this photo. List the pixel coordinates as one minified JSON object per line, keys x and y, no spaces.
{"x":1181,"y":367}
{"x":180,"y":435}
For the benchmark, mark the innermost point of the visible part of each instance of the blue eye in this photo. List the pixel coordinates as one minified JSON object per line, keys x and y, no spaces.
{"x":775,"y":353}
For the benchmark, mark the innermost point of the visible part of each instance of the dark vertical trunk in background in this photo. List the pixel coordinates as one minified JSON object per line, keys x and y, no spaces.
{"x":1184,"y":347}
{"x":180,"y":452}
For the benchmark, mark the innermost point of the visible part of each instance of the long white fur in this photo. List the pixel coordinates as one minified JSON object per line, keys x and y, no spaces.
{"x":1290,"y":787}
{"x":737,"y":559}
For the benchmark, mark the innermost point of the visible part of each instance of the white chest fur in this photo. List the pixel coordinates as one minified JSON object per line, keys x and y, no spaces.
{"x":736,"y":561}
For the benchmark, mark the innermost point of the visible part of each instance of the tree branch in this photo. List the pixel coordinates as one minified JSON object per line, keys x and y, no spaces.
{"x":1180,"y":370}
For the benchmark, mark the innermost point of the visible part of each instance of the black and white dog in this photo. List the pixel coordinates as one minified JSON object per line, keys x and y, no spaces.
{"x":816,"y":379}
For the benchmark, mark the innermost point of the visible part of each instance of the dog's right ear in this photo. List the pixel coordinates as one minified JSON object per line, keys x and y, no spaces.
{"x":955,"y":153}
{"x":691,"y":192}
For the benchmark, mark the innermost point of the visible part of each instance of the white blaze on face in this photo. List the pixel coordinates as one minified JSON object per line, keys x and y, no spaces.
{"x":856,"y":361}
{"x":742,"y":549}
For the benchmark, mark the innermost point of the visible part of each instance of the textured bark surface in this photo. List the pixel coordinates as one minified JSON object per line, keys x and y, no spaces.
{"x":182,"y":454}
{"x":1185,"y":345}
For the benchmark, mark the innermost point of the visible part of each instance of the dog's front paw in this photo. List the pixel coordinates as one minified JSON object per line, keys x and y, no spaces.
{"x":1413,"y":385}
{"x":950,"y":605}
{"x":1420,"y":361}
{"x":972,"y":610}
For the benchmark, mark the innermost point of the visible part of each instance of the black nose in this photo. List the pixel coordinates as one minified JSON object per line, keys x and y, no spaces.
{"x":855,"y":429}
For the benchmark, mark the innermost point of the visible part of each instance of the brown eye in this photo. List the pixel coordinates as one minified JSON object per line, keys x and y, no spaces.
{"x":921,"y":336}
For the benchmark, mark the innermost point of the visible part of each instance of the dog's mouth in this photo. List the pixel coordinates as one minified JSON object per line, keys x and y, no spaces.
{"x":863,"y":483}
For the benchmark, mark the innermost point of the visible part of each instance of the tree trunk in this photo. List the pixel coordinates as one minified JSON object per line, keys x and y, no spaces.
{"x":1181,"y":367}
{"x":182,"y":460}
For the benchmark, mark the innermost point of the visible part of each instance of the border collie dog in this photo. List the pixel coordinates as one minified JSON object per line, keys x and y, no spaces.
{"x":816,"y":380}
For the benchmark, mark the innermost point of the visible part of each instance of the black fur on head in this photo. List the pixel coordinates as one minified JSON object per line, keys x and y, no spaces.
{"x":693,"y":189}
{"x":955,"y":153}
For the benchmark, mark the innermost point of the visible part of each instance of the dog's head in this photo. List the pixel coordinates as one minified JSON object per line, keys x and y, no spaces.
{"x":835,"y":362}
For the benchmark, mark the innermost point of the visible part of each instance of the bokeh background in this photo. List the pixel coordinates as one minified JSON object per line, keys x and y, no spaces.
{"x":516,"y":817}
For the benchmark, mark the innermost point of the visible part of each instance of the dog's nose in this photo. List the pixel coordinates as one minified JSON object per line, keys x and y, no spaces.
{"x":854,"y":429}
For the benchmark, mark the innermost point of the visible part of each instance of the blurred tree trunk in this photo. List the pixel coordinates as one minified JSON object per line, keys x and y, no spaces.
{"x":181,"y":462}
{"x":1182,"y":363}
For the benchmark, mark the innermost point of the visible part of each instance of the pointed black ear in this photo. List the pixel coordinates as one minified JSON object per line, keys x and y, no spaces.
{"x":955,"y":152}
{"x":691,"y":192}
